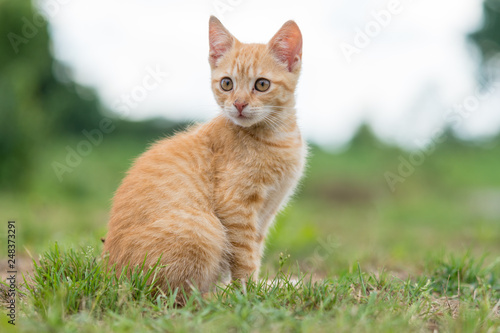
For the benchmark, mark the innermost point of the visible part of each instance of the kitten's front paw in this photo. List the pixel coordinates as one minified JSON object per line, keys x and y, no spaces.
{"x":244,"y":287}
{"x":241,"y":284}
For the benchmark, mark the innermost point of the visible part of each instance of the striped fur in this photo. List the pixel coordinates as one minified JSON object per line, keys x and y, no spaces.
{"x":204,"y":199}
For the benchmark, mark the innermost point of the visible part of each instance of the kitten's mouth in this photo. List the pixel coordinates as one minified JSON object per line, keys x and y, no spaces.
{"x":242,"y":119}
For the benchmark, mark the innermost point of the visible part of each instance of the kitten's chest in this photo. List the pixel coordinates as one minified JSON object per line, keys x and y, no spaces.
{"x":278,"y":166}
{"x":261,"y":173}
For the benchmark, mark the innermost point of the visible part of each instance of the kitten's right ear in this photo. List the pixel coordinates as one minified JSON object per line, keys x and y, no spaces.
{"x":220,"y":39}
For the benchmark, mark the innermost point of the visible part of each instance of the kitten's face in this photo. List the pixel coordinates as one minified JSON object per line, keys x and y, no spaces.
{"x":255,"y":83}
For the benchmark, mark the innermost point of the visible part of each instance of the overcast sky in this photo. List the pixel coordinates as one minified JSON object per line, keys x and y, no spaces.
{"x":415,"y":68}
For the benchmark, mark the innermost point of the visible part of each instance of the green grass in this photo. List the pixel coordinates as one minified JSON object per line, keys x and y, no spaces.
{"x":72,"y":291}
{"x":442,"y":225}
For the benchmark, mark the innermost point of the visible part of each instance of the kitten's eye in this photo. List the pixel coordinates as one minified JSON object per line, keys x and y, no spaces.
{"x":226,"y":84}
{"x":262,"y":84}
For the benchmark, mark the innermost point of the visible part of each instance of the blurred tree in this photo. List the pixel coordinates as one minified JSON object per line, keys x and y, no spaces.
{"x":488,"y":37}
{"x":33,"y":104}
{"x":39,"y":102}
{"x":364,"y":137}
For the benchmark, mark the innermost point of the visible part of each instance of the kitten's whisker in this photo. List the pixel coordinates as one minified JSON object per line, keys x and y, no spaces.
{"x":274,"y":123}
{"x":279,"y":121}
{"x":280,"y":107}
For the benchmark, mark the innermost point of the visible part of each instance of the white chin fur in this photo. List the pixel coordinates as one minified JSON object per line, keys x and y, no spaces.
{"x":244,"y":122}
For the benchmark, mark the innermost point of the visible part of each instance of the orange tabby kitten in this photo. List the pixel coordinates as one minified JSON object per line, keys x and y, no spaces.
{"x":204,"y":199}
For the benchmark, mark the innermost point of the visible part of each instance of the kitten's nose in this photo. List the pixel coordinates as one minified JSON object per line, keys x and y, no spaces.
{"x":240,"y":105}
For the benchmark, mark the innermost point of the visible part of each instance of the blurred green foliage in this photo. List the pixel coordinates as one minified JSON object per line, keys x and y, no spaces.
{"x":35,"y":106}
{"x":487,"y":38}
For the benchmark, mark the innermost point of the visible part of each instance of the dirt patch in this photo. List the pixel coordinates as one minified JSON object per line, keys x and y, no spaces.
{"x":342,"y":192}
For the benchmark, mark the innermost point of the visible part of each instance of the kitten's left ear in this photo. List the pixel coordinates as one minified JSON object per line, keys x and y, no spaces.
{"x":286,"y":45}
{"x":220,"y":40}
